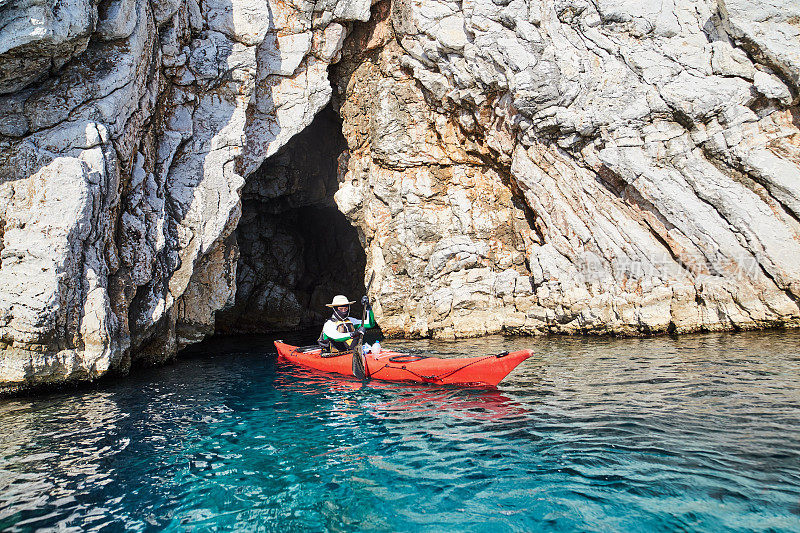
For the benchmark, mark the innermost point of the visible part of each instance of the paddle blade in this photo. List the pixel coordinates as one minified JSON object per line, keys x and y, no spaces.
{"x":358,"y":362}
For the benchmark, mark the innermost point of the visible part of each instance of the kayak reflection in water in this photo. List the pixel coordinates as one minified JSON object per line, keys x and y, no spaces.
{"x":341,"y":331}
{"x":393,"y":400}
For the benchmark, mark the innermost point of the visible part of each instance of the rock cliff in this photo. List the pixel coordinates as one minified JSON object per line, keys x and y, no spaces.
{"x":506,"y":165}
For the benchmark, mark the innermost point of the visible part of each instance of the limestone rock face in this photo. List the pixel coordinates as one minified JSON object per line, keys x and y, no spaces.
{"x":574,"y":166}
{"x":37,"y":37}
{"x":127,"y":129}
{"x":510,"y":166}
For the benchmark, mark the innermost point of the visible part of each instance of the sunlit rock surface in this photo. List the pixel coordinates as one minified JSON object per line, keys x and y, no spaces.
{"x":519,"y":166}
{"x":613,"y":166}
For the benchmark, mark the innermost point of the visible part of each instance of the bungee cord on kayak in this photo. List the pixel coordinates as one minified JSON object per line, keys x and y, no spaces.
{"x":433,"y":378}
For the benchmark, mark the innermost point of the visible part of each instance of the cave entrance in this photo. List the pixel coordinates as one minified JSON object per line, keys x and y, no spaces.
{"x":297,"y":250}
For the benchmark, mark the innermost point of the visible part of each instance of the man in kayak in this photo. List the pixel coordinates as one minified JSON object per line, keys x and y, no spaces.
{"x":342,"y":331}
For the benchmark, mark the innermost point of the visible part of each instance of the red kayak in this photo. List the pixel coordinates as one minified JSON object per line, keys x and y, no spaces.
{"x":394,"y":366}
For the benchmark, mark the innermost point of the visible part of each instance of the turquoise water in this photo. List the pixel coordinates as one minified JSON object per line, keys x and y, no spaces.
{"x":697,"y":433}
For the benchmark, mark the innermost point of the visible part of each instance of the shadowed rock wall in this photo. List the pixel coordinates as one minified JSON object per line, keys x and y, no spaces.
{"x":127,"y":129}
{"x":296,"y":249}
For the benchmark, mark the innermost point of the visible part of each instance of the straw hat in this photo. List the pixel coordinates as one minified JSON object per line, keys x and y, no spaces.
{"x":338,"y":300}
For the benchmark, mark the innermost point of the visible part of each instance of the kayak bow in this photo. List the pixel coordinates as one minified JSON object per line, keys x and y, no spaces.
{"x":394,"y":366}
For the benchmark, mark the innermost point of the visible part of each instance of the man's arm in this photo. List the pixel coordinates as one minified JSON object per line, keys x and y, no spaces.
{"x":329,"y":331}
{"x":370,"y":320}
{"x":368,"y":323}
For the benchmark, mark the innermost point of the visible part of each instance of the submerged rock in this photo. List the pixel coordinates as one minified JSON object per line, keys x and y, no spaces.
{"x":517,"y":166}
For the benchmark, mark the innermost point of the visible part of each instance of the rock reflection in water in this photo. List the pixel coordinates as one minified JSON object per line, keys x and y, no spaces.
{"x":52,"y":450}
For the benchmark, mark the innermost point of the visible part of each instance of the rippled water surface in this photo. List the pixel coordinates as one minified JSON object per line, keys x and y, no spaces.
{"x":698,"y":433}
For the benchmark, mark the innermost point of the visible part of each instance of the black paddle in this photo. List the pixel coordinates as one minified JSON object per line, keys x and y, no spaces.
{"x":359,"y":361}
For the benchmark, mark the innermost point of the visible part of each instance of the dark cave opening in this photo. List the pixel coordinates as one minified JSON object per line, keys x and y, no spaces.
{"x":297,"y":250}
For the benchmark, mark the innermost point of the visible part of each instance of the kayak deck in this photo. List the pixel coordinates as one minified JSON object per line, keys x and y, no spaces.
{"x":395,"y":366}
